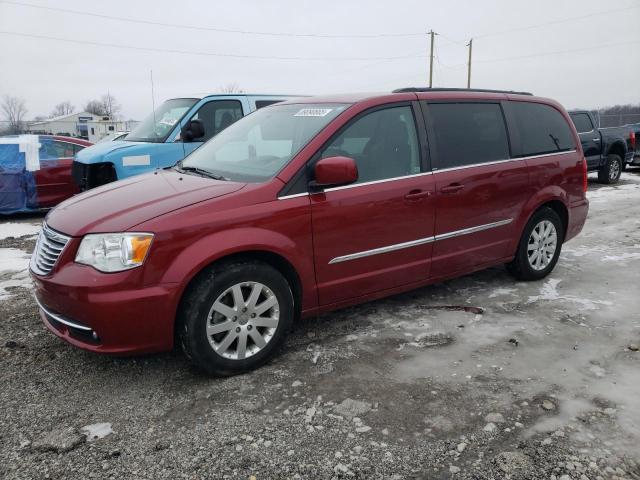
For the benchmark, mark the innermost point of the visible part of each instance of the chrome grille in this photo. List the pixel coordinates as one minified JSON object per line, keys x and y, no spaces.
{"x":49,"y":246}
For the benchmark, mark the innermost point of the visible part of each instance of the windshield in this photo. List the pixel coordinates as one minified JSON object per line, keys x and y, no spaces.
{"x":157,"y":126}
{"x":257,"y":146}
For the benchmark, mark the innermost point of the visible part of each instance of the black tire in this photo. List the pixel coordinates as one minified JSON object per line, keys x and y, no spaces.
{"x":612,"y":169}
{"x":521,"y":267}
{"x":198,"y":301}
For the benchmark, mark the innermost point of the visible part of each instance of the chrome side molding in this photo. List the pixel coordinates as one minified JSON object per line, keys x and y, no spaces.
{"x":420,"y":241}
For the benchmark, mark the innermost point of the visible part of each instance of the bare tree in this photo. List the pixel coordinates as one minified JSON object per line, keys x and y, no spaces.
{"x":14,"y":110}
{"x":63,"y":108}
{"x":110,"y":105}
{"x":95,"y":107}
{"x":231,"y":88}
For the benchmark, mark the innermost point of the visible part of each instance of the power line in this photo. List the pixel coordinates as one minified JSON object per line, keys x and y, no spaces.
{"x":558,"y":52}
{"x":210,"y":29}
{"x":208,"y":54}
{"x":555,"y":22}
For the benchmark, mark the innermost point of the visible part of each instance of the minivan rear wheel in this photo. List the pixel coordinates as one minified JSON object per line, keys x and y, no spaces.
{"x":611,"y":171}
{"x":235,"y":317}
{"x":539,"y":246}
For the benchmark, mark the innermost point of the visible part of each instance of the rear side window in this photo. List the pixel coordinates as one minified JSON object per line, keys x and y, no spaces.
{"x":542,"y":129}
{"x":582,"y":122}
{"x":384,"y":144}
{"x":265,"y":103}
{"x":468,"y":133}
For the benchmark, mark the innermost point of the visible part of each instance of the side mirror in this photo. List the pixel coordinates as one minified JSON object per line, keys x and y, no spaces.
{"x":334,"y":171}
{"x":192,"y":130}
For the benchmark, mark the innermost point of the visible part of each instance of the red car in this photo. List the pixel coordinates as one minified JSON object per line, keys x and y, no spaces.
{"x":308,"y":206}
{"x":38,"y":178}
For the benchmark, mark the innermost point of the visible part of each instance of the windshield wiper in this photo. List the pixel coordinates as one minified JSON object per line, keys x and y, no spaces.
{"x":200,"y":171}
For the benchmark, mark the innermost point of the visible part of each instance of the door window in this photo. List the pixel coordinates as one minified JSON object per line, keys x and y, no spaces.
{"x":582,"y":122}
{"x":468,"y":133}
{"x":383,"y":143}
{"x":542,"y":129}
{"x":218,"y":115}
{"x":52,"y":149}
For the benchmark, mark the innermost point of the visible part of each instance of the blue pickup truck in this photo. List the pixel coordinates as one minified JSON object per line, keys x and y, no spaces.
{"x":170,"y":133}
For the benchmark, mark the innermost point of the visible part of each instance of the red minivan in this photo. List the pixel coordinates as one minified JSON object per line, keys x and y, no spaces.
{"x":307,"y":206}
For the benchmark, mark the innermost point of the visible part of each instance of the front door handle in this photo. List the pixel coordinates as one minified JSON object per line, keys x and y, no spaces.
{"x":595,"y":139}
{"x":453,"y":188}
{"x":417,"y":194}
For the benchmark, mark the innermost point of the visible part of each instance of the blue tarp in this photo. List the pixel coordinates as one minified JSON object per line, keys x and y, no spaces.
{"x":17,"y":185}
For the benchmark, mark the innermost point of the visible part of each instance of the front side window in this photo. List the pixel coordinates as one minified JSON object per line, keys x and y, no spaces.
{"x":383,"y":143}
{"x":217,"y":115}
{"x":468,"y":133}
{"x":157,"y":126}
{"x":258,"y":146}
{"x":542,"y":129}
{"x":582,"y":122}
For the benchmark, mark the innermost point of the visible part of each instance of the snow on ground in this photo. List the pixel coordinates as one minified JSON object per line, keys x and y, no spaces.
{"x":16,"y":230}
{"x":13,"y":260}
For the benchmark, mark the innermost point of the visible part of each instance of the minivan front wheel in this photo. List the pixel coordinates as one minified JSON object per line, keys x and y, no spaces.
{"x":539,"y":246}
{"x":235,"y":317}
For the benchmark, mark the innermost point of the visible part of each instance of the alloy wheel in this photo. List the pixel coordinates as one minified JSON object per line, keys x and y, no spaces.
{"x":242,"y":320}
{"x":542,"y":245}
{"x":614,"y":169}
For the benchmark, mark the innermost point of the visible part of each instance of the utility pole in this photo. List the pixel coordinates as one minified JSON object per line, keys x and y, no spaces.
{"x":470,"y":45}
{"x":432,"y":34}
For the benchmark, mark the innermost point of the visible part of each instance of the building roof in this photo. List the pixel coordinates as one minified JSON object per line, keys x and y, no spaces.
{"x":68,"y":115}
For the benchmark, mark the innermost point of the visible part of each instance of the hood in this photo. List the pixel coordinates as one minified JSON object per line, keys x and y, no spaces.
{"x":119,"y":206}
{"x":96,"y":153}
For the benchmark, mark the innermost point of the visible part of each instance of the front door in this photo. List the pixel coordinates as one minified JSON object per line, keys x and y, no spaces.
{"x":377,"y":233}
{"x":53,"y":180}
{"x":480,"y":191}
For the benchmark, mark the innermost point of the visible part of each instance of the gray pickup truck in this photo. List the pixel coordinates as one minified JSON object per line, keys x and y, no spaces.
{"x":607,"y":150}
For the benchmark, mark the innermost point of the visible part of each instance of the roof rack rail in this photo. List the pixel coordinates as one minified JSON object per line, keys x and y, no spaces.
{"x":428,"y":89}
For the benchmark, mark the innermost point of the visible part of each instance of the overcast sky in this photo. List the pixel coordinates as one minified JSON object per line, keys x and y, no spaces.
{"x":600,"y":65}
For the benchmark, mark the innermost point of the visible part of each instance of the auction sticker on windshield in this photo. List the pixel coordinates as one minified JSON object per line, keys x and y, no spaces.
{"x":313,"y":112}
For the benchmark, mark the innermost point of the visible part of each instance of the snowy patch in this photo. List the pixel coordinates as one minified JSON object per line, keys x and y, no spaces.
{"x":13,"y":260}
{"x":549,"y":291}
{"x":502,"y":291}
{"x":96,"y":431}
{"x":19,"y":279}
{"x":18,"y":230}
{"x":622,"y":258}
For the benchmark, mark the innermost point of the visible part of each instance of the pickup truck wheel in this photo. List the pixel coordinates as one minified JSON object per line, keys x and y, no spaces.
{"x":235,"y":317}
{"x":539,"y":246}
{"x":611,"y":171}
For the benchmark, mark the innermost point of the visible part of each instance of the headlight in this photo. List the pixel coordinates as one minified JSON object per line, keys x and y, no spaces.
{"x":114,"y":252}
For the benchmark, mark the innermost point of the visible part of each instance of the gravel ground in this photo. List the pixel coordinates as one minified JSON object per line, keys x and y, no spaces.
{"x":480,"y":378}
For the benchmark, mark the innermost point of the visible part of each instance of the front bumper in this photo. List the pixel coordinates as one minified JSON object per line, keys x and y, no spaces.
{"x":104,"y":313}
